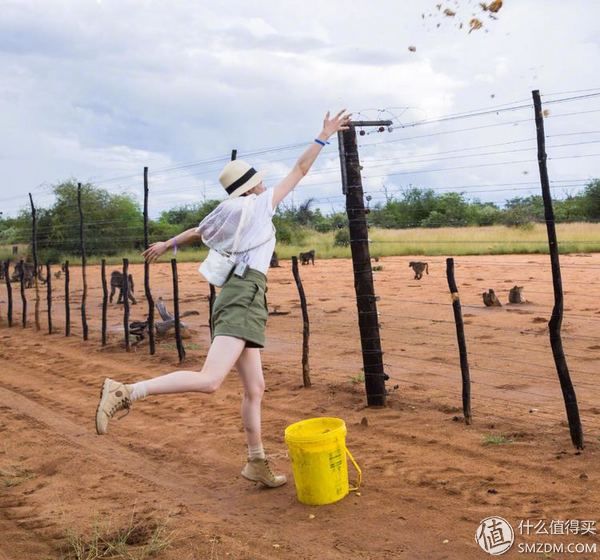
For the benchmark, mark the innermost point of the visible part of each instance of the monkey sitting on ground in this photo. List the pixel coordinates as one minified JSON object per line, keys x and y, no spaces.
{"x":306,"y":258}
{"x":516,"y":295}
{"x":490,"y":299}
{"x":419,"y":267}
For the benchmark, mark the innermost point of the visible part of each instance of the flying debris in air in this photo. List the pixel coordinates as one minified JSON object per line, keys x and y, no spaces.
{"x":475,"y":24}
{"x":412,"y":49}
{"x":474,"y":20}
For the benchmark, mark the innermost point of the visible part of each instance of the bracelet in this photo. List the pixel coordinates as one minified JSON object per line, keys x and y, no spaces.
{"x":174,"y":246}
{"x":321,"y":142}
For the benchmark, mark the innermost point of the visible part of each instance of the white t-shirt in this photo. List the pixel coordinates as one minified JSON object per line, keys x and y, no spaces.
{"x":256,"y":237}
{"x":260,"y":257}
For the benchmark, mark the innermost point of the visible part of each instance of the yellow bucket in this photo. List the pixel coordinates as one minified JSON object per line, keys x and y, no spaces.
{"x":318,"y":453}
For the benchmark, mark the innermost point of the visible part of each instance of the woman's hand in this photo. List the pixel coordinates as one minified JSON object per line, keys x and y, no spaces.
{"x":340,"y":122}
{"x":155,"y":250}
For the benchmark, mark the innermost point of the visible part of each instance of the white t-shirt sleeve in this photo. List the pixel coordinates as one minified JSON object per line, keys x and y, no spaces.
{"x":264,"y":204}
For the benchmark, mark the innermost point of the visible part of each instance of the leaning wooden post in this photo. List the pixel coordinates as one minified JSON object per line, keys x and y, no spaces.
{"x":83,"y":265}
{"x":104,"y":301}
{"x":125,"y":285}
{"x":554,"y":325}
{"x":462,"y":344}
{"x":180,"y":348}
{"x":366,"y":301}
{"x":23,"y":298}
{"x":211,"y":303}
{"x":35,"y":264}
{"x":147,"y":291}
{"x":9,"y":310}
{"x":305,"y":324}
{"x":67,"y":301}
{"x":49,"y":296}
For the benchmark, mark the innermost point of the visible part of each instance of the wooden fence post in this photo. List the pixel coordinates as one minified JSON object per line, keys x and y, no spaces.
{"x":49,"y":296}
{"x":147,"y":290}
{"x":9,"y":310}
{"x":126,"y":302}
{"x":366,"y":301}
{"x":104,"y":300}
{"x":83,"y":265}
{"x":67,"y":301}
{"x":305,"y":324}
{"x":35,"y":264}
{"x":554,"y":325}
{"x":462,"y":344}
{"x":180,"y":348}
{"x":23,"y":297}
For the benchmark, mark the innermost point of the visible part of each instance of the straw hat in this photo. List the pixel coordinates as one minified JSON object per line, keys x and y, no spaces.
{"x":238,"y":177}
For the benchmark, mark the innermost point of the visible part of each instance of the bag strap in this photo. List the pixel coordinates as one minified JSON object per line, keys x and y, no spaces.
{"x":236,"y":239}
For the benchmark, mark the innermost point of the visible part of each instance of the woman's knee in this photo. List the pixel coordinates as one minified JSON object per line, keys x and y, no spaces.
{"x":210,"y":383}
{"x":255,"y":390}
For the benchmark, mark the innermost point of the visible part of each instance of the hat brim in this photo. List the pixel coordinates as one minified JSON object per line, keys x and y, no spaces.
{"x":249,"y":184}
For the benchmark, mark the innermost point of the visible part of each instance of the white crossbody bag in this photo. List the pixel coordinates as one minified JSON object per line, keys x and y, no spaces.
{"x":217,"y":266}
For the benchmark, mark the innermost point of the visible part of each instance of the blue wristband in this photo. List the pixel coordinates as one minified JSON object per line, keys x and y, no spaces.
{"x":321,"y":142}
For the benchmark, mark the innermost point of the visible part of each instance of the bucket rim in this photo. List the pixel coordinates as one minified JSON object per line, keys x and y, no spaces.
{"x":289,"y":435}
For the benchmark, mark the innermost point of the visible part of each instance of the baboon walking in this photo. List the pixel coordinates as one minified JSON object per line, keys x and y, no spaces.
{"x":490,"y":299}
{"x":116,"y":281}
{"x":306,"y":258}
{"x":419,"y":267}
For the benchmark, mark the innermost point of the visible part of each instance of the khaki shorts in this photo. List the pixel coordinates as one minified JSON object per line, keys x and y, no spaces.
{"x":240,"y":309}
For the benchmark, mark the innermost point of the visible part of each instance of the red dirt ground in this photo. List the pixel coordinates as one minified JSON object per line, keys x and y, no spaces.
{"x":428,"y":478}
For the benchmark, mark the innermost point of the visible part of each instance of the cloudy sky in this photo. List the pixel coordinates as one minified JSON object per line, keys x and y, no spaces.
{"x":96,"y":89}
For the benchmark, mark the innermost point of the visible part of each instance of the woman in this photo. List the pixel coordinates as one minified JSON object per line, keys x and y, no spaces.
{"x":239,"y":313}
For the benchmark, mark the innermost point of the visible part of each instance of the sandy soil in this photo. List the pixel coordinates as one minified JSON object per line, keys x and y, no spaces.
{"x":428,"y":478}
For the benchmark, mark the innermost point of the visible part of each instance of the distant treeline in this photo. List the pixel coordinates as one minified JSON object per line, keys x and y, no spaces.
{"x":114,"y":222}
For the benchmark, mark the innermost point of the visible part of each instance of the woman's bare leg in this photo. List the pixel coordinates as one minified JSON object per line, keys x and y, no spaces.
{"x":249,"y":367}
{"x":222,"y":355}
{"x":257,"y":468}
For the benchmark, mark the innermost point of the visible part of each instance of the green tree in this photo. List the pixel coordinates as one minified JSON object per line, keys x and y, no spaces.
{"x":113,"y":222}
{"x":591,"y":200}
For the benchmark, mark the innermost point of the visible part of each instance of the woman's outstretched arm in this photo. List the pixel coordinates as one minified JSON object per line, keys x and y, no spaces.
{"x":157,"y":249}
{"x":330,"y":126}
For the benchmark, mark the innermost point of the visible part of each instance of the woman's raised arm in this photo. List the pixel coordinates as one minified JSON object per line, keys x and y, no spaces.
{"x":330,"y":126}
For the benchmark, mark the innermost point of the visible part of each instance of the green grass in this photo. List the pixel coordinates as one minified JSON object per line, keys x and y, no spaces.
{"x":494,"y":240}
{"x":496,"y":440}
{"x":360,"y":378}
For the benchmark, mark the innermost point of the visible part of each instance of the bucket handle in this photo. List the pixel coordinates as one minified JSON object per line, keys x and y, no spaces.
{"x":358,"y":471}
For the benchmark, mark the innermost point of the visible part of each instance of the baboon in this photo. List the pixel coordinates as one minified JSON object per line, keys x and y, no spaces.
{"x":116,"y":281}
{"x":28,"y":274}
{"x":58,"y":273}
{"x":419,"y":267}
{"x":274,"y":261}
{"x":306,"y":258}
{"x":490,"y":299}
{"x":516,"y":295}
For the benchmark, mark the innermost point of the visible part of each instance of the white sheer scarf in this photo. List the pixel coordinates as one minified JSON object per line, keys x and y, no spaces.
{"x":219,"y":228}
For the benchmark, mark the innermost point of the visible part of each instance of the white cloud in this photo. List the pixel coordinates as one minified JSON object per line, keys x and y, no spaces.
{"x":99,"y":89}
